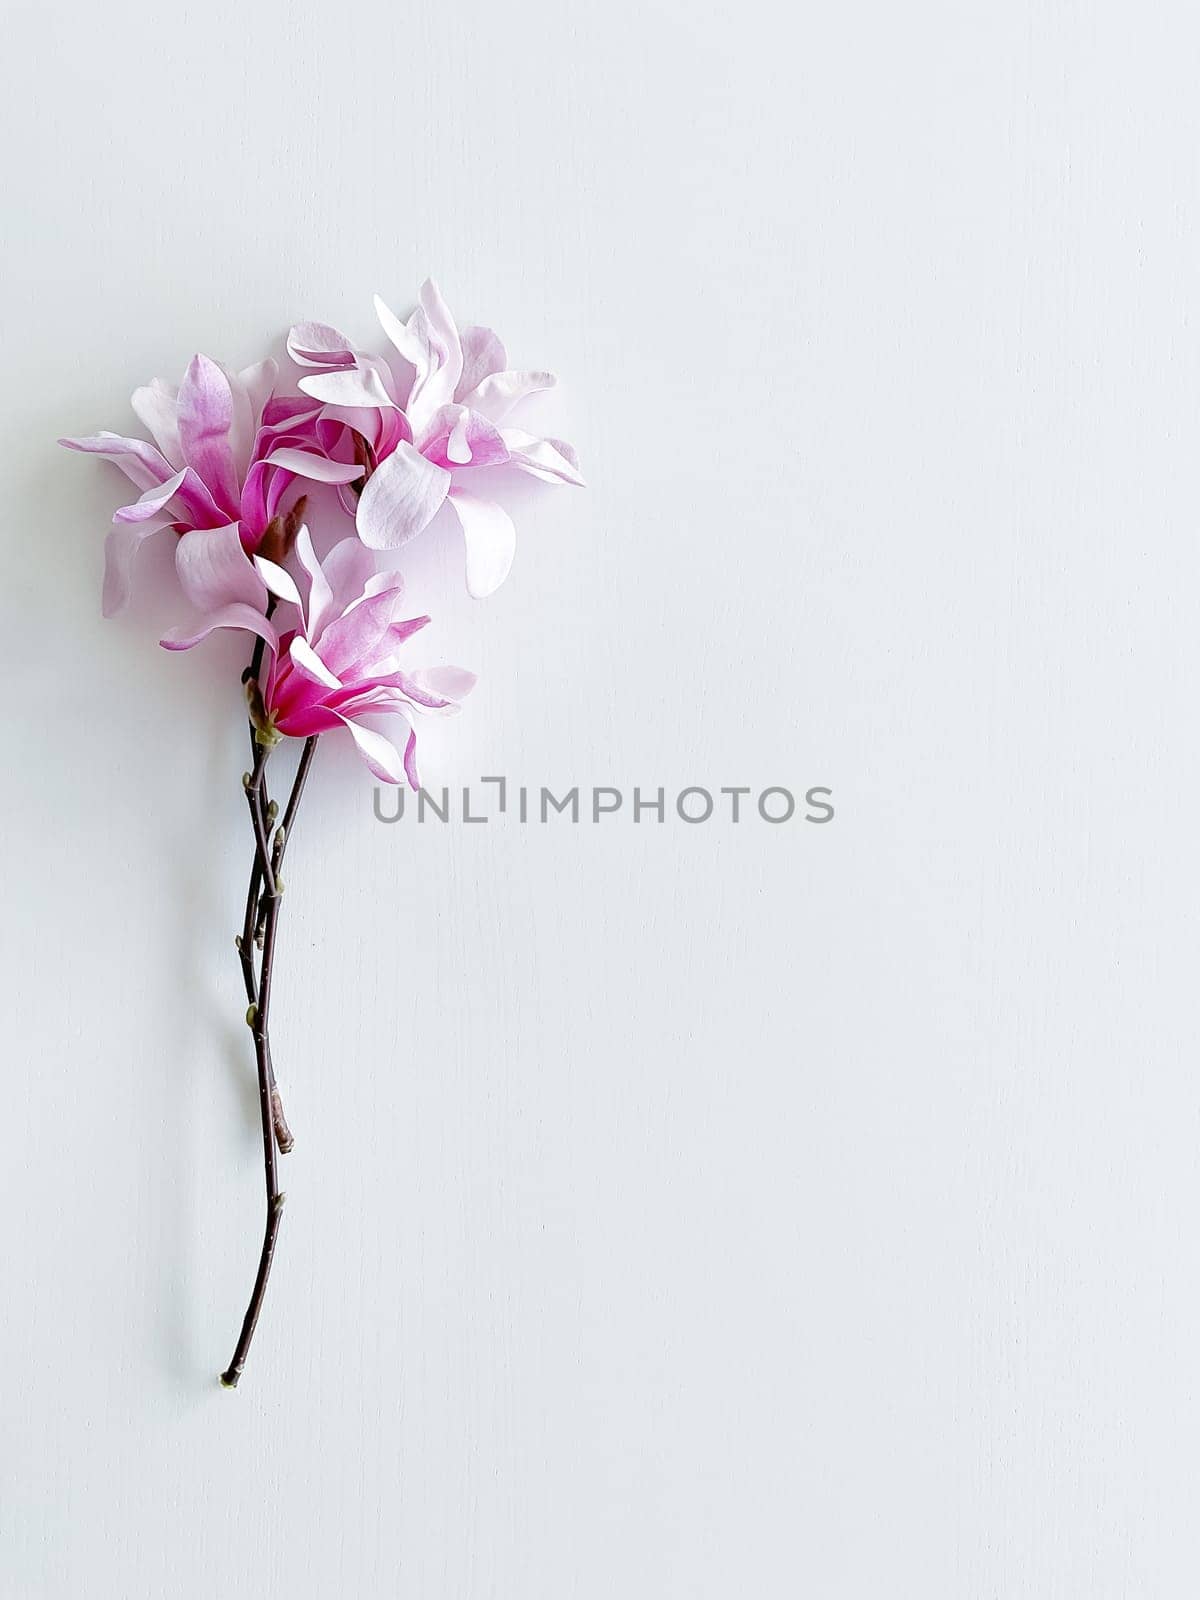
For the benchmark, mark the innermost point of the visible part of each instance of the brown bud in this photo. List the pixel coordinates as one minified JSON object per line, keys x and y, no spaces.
{"x":271,"y":544}
{"x":292,"y":523}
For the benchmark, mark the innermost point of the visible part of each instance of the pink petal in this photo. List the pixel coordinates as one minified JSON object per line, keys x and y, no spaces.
{"x":318,"y":601}
{"x":249,"y":391}
{"x":380,"y":755}
{"x":405,"y":341}
{"x":457,"y":437}
{"x":233,"y":616}
{"x":205,"y":423}
{"x":491,"y":541}
{"x":141,"y":463}
{"x":316,"y":344}
{"x":482,"y":354}
{"x":449,"y":683}
{"x":362,"y":385}
{"x":353,"y":640}
{"x":152,"y":502}
{"x":319,"y":468}
{"x":401,"y":498}
{"x":156,"y":406}
{"x":437,"y":335}
{"x":551,"y":460}
{"x":348,"y":568}
{"x":214,"y":569}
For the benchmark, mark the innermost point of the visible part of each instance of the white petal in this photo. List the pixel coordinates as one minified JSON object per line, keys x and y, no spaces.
{"x":121,"y":546}
{"x":357,"y":386}
{"x":379,"y":753}
{"x":401,"y":498}
{"x":307,"y":659}
{"x":491,"y":541}
{"x":277,"y":580}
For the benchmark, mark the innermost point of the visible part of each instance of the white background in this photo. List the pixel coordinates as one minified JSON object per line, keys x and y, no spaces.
{"x":676,"y":1212}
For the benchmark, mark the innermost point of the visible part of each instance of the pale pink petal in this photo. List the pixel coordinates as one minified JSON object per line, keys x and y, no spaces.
{"x":205,"y":423}
{"x":483,"y":354}
{"x":491,"y":541}
{"x":457,"y":437}
{"x":363,"y":385}
{"x":498,"y":393}
{"x":152,"y":502}
{"x":449,"y":683}
{"x":319,"y":598}
{"x":121,"y":546}
{"x":259,"y":383}
{"x":380,"y":754}
{"x":316,"y":344}
{"x":355,"y":639}
{"x":232,"y":616}
{"x":214,"y":569}
{"x":156,"y":406}
{"x":551,"y":460}
{"x":141,"y":463}
{"x":318,"y":468}
{"x":434,"y":329}
{"x":401,"y":498}
{"x":278,"y":580}
{"x":249,"y":391}
{"x":348,"y":568}
{"x":407,"y":344}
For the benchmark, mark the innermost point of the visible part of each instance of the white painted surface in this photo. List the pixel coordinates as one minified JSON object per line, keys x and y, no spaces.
{"x":677,"y":1212}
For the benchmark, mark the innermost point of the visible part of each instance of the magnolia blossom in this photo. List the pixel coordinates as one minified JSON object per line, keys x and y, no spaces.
{"x":426,"y":419}
{"x":340,"y":663}
{"x":224,"y":455}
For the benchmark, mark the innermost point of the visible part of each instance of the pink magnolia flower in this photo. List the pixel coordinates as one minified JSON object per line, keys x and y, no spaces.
{"x":341,"y":663}
{"x":224,"y":455}
{"x":428,"y":417}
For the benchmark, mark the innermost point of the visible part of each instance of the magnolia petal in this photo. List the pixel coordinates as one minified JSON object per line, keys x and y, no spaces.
{"x":120,"y":547}
{"x":401,"y":498}
{"x":441,"y":366}
{"x":250,"y":391}
{"x":214,"y":569}
{"x":316,"y":344}
{"x":141,"y":463}
{"x":152,"y":502}
{"x":279,"y":581}
{"x":482,"y":354}
{"x":232,"y":616}
{"x":319,"y":468}
{"x":306,"y":659}
{"x":380,"y":754}
{"x":448,"y":683}
{"x":348,"y":569}
{"x":357,"y":386}
{"x":400,"y":336}
{"x":205,"y":425}
{"x":355,"y":639}
{"x":491,"y":541}
{"x":156,"y":406}
{"x":499,"y":392}
{"x":259,"y":383}
{"x":551,"y":460}
{"x":458,"y":437}
{"x":319,"y":598}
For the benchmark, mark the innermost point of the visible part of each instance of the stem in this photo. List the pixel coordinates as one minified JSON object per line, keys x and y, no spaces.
{"x":264,"y":875}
